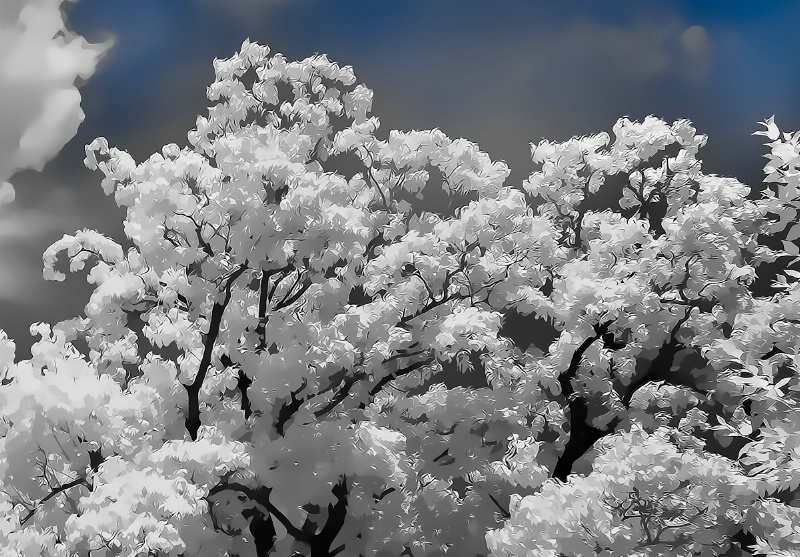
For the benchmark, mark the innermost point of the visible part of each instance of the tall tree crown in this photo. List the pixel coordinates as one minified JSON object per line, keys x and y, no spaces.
{"x":297,"y":354}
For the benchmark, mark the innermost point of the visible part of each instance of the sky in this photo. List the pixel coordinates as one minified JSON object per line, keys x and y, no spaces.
{"x":501,"y":74}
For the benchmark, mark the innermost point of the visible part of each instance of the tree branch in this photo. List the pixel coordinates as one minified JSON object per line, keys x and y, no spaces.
{"x":383,"y":494}
{"x":198,"y":229}
{"x":192,"y":420}
{"x":340,"y":395}
{"x":262,"y":529}
{"x":582,"y":434}
{"x":659,"y":368}
{"x":565,"y":378}
{"x":263,"y":299}
{"x":289,"y":410}
{"x":503,"y":511}
{"x":261,"y":495}
{"x":287,"y":301}
{"x":378,"y":240}
{"x":372,"y":179}
{"x":321,"y":542}
{"x":392,"y":376}
{"x":53,"y":493}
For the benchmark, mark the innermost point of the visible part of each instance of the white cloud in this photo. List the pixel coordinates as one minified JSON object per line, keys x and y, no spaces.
{"x":7,"y":194}
{"x":40,"y":60}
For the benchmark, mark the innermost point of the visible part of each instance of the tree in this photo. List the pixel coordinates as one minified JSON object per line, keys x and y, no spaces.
{"x":294,"y":358}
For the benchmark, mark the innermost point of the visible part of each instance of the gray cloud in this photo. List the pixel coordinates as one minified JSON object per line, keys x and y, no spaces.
{"x":24,"y":232}
{"x":697,"y":46}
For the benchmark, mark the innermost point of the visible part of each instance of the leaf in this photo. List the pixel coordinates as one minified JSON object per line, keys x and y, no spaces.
{"x":772,"y":132}
{"x":794,"y":234}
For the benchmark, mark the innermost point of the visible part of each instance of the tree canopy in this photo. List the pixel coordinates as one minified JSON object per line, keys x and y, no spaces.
{"x":300,"y":353}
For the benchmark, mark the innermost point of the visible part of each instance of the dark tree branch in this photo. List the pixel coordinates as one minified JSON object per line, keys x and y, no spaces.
{"x":243,"y":383}
{"x":276,"y":283}
{"x":383,"y":494}
{"x":659,"y":368}
{"x":289,"y":409}
{"x":433,"y":302}
{"x":404,"y":354}
{"x":575,"y":362}
{"x":263,"y":299}
{"x":377,"y":241}
{"x":53,"y":493}
{"x":263,"y":531}
{"x":321,"y":542}
{"x":192,"y":420}
{"x":431,"y":305}
{"x":340,"y":395}
{"x":582,"y":434}
{"x":655,"y":209}
{"x":503,"y":511}
{"x":372,"y":180}
{"x":774,"y":350}
{"x":314,"y":154}
{"x":744,"y":539}
{"x":392,"y":376}
{"x":198,"y":229}
{"x":96,"y":458}
{"x":289,"y":300}
{"x":581,"y":437}
{"x":260,"y":495}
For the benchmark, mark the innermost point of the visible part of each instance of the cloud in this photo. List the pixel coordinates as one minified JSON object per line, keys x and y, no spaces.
{"x":695,"y":40}
{"x":40,"y":61}
{"x":697,"y":46}
{"x":7,"y":194}
{"x":24,"y":234}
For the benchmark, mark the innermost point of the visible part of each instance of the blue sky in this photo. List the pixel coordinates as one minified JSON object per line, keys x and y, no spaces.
{"x":501,"y":74}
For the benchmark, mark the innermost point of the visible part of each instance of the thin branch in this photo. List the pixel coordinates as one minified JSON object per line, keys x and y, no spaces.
{"x":503,"y":511}
{"x":53,"y":493}
{"x":344,"y":391}
{"x":198,"y":230}
{"x":340,"y":395}
{"x":372,"y":178}
{"x":286,"y":302}
{"x":383,"y":494}
{"x":392,"y":376}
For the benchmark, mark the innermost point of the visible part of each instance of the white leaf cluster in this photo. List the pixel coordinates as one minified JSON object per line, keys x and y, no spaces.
{"x":291,"y":343}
